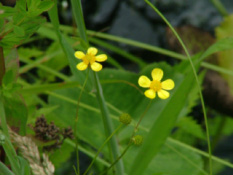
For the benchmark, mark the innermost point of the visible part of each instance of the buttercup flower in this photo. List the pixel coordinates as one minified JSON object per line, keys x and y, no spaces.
{"x":156,"y":85}
{"x":90,"y":59}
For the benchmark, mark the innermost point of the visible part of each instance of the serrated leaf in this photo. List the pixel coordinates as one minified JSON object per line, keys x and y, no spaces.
{"x":19,"y":31}
{"x":6,"y":11}
{"x":190,"y":126}
{"x":27,"y":53}
{"x":21,"y":6}
{"x":45,"y":5}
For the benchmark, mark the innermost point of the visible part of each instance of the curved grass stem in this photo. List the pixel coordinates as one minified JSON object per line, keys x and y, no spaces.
{"x":196,"y":78}
{"x":96,"y":155}
{"x":119,"y":158}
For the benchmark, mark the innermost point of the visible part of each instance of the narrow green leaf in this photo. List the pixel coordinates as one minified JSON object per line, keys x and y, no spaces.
{"x":68,"y":50}
{"x":78,"y":16}
{"x":24,"y":166}
{"x":4,"y":170}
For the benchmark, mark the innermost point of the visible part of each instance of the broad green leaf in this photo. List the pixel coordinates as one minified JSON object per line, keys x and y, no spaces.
{"x":8,"y":78}
{"x":16,"y":112}
{"x":171,"y":160}
{"x":33,"y":4}
{"x":45,"y":5}
{"x":66,"y":151}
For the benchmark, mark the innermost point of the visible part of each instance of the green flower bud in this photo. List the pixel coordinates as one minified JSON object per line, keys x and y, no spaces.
{"x":125,"y":118}
{"x":137,"y":140}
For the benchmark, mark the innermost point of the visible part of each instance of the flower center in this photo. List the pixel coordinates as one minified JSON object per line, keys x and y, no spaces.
{"x":155,"y":85}
{"x":89,"y":59}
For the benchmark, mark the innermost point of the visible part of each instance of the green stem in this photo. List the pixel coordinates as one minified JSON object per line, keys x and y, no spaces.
{"x":106,"y":141}
{"x":108,"y":125}
{"x":196,"y":78}
{"x":142,"y":116}
{"x":2,"y":65}
{"x":219,"y":6}
{"x":203,"y":153}
{"x":76,"y":121}
{"x":118,"y":159}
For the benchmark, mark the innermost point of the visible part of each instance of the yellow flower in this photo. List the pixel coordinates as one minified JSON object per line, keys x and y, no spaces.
{"x":90,"y":59}
{"x":156,"y":85}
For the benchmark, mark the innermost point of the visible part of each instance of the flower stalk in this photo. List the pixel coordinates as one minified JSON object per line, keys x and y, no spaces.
{"x":76,"y":121}
{"x":106,"y":141}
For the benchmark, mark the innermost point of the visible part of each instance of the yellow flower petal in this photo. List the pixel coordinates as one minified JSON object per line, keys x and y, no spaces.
{"x":79,"y":54}
{"x":150,"y":93}
{"x":81,"y":66}
{"x":92,"y":51}
{"x":96,"y":66}
{"x":157,"y":74}
{"x":168,"y":84}
{"x":163,"y":94}
{"x":143,"y":81}
{"x":101,"y":58}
